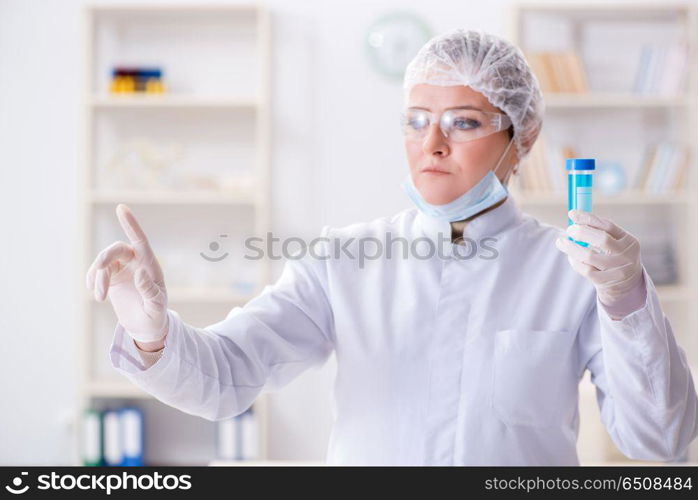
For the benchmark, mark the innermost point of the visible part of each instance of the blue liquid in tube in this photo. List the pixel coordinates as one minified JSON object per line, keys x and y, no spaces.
{"x":579,"y":186}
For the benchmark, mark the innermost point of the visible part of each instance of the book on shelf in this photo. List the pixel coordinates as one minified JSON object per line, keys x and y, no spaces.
{"x":559,"y":71}
{"x":663,"y":169}
{"x":544,"y":170}
{"x":661,"y":70}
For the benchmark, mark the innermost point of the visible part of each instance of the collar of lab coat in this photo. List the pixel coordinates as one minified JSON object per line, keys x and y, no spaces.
{"x":487,"y":224}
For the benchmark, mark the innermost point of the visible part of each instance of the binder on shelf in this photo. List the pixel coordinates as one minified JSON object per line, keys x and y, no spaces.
{"x":91,"y":438}
{"x":228,"y":439}
{"x":122,"y":436}
{"x":249,"y":435}
{"x":238,"y":437}
{"x":131,"y":425}
{"x":112,"y":441}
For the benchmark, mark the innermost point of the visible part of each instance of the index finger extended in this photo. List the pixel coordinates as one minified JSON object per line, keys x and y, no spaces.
{"x":131,"y":227}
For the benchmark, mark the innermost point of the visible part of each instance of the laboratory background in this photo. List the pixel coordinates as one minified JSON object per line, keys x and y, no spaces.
{"x":217,"y":121}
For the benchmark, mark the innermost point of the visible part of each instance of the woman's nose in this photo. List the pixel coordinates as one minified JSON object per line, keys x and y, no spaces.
{"x":435,"y":142}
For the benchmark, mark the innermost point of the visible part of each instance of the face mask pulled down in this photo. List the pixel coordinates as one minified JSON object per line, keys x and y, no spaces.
{"x":487,"y":192}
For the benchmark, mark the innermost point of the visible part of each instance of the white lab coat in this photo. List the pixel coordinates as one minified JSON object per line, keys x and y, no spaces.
{"x":440,"y":360}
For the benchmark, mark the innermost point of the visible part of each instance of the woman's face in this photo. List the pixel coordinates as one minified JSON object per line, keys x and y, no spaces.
{"x":464,"y":163}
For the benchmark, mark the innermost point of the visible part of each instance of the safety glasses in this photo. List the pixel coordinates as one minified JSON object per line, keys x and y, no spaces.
{"x":457,"y":125}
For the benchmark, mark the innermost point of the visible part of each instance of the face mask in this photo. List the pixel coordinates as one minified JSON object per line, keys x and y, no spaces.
{"x":487,"y":192}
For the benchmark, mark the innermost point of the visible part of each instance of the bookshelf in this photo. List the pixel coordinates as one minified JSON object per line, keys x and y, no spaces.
{"x":204,"y":145}
{"x":616,"y":116}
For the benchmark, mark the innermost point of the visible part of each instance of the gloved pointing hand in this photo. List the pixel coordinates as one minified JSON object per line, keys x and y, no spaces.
{"x":616,"y":271}
{"x":132,"y":278}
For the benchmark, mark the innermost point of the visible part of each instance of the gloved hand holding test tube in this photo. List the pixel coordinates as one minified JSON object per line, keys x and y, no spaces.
{"x":598,"y":249}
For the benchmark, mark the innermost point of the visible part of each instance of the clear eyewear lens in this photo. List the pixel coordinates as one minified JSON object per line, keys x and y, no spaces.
{"x":458,"y":125}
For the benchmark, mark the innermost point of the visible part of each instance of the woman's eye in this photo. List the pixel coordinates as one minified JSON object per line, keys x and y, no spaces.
{"x":465,"y":123}
{"x":417,"y":123}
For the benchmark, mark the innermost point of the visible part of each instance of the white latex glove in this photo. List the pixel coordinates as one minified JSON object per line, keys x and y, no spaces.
{"x":611,"y":262}
{"x":131,"y":276}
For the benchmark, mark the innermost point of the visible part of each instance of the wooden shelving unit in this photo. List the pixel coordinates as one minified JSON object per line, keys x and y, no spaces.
{"x":216,"y":60}
{"x":169,"y":101}
{"x":679,"y":299}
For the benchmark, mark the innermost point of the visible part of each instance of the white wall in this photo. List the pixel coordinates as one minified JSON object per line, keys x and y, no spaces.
{"x":335,"y":142}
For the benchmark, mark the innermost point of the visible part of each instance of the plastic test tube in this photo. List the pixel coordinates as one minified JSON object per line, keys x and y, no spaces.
{"x":579,"y":183}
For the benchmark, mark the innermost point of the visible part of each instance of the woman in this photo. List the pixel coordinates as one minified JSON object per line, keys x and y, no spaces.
{"x":448,"y":356}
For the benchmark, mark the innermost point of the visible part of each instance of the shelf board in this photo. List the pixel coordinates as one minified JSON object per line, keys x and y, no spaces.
{"x":199,"y":295}
{"x":610,"y":100}
{"x":630,"y":10}
{"x":169,"y":8}
{"x":172,"y":197}
{"x":272,"y":463}
{"x":170,"y":101}
{"x":191,"y":295}
{"x":638,"y":463}
{"x":115,"y":389}
{"x":118,"y":389}
{"x":674,"y":293}
{"x":626,"y":198}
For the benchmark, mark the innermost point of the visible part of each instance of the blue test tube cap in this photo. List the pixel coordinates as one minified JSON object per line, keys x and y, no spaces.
{"x":580,"y":164}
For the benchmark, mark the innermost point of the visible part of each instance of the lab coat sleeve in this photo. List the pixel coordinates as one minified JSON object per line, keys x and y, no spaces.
{"x":217,"y":372}
{"x":644,"y":386}
{"x":149,"y":358}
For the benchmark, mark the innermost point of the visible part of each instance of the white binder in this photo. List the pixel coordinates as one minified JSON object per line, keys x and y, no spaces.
{"x":112,"y":439}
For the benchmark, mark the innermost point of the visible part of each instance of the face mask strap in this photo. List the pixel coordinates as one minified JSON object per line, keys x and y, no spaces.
{"x":506,"y":150}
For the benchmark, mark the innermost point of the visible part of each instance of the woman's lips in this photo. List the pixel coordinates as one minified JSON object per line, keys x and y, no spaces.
{"x":434,"y":171}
